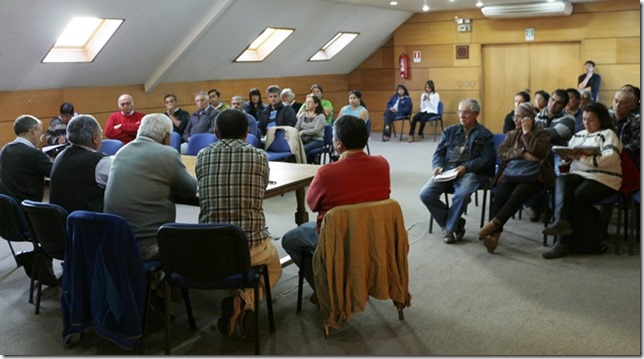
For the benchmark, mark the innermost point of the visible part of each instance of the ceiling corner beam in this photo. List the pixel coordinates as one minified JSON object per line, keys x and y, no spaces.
{"x":184,"y":46}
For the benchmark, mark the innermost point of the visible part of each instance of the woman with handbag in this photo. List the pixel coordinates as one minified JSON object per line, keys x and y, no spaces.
{"x":585,"y":178}
{"x":526,"y":170}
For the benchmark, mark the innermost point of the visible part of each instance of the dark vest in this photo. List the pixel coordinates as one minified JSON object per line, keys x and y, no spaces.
{"x":73,"y":180}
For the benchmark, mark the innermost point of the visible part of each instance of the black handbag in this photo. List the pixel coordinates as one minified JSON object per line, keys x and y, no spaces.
{"x":521,"y":171}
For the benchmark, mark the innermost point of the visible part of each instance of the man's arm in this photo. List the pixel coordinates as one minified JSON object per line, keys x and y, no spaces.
{"x":289,"y":118}
{"x":482,"y":162}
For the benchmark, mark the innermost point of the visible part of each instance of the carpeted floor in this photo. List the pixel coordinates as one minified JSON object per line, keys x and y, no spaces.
{"x":465,"y":300}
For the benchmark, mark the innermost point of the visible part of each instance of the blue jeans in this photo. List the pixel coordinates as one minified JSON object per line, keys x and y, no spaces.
{"x":303,"y":238}
{"x":447,"y":217}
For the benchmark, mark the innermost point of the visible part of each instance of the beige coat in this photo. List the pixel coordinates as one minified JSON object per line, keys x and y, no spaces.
{"x":292,"y":136}
{"x":362,"y":251}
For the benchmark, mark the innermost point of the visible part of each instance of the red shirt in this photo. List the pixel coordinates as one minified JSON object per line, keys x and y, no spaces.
{"x":355,"y":178}
{"x":129,"y":125}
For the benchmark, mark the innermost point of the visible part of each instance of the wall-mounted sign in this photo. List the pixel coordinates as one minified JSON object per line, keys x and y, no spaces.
{"x":416,"y":56}
{"x":529,"y":34}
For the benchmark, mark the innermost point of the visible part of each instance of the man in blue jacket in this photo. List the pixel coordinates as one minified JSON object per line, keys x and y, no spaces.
{"x":467,"y":149}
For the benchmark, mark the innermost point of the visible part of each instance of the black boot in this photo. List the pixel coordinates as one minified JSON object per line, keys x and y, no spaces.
{"x":559,"y":250}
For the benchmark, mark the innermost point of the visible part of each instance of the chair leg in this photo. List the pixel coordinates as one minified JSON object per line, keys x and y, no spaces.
{"x":483,"y":207}
{"x":37,"y":272}
{"x":300,"y":289}
{"x":256,"y":314}
{"x":13,"y":252}
{"x":166,"y":337}
{"x":269,"y":301}
{"x":402,"y":129}
{"x":186,"y":301}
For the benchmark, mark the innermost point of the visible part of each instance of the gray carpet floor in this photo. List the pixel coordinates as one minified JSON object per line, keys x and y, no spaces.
{"x":465,"y":301}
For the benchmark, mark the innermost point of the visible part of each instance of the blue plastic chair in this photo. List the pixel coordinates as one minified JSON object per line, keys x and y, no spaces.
{"x":253,"y":140}
{"x":199,"y":141}
{"x":175,"y":141}
{"x":438,"y":118}
{"x":368,"y":135}
{"x":111,"y":146}
{"x":210,"y":257}
{"x":279,"y":150}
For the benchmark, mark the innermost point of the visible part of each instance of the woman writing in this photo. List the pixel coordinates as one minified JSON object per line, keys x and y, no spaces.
{"x":311,"y":123}
{"x":399,"y":106}
{"x":525,"y":142}
{"x":429,"y":100}
{"x":356,"y":106}
{"x":589,"y":178}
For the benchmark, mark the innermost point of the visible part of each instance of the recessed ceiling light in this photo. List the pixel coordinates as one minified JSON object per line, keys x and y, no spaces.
{"x":479,"y":3}
{"x":425,"y":7}
{"x":393,"y":3}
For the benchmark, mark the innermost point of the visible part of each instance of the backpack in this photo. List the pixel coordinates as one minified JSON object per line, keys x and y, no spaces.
{"x":589,"y":230}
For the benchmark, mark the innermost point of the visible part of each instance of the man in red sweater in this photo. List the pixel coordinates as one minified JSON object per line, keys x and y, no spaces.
{"x":124,"y":124}
{"x":355,"y":178}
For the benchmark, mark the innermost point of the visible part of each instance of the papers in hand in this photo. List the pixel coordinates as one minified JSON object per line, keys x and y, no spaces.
{"x":446,"y":175}
{"x":584,"y":150}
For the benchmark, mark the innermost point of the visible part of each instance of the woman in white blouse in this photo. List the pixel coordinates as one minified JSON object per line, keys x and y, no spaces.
{"x":429,"y":100}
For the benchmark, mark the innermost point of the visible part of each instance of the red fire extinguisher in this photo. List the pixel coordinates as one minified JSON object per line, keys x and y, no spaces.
{"x":404,"y":65}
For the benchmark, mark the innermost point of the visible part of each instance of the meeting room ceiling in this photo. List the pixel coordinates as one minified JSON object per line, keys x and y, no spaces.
{"x":165,"y":41}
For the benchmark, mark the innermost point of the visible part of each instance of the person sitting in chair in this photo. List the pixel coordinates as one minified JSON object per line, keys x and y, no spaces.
{"x":399,"y":106}
{"x":354,"y":178}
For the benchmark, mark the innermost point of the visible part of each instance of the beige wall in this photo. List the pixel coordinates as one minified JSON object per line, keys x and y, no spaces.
{"x":607,"y":31}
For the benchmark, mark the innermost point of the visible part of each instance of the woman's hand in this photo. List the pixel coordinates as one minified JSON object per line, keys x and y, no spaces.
{"x":530,"y":156}
{"x":527,"y":124}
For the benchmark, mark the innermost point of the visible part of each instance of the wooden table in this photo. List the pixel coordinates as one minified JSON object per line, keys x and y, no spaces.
{"x":284,"y":177}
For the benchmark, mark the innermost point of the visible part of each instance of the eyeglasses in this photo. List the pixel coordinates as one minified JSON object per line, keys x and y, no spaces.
{"x":464,"y":113}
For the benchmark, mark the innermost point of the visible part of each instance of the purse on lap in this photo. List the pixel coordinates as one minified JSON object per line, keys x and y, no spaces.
{"x":521,"y":171}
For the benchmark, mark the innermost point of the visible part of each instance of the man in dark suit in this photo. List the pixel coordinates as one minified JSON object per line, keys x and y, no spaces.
{"x":23,"y":166}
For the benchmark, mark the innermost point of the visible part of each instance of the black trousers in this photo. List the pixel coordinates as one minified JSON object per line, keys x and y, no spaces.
{"x":421,"y":117}
{"x":576,"y":191}
{"x":509,"y":197}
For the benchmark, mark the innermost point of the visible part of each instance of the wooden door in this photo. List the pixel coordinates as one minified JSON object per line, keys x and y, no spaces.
{"x":508,"y":69}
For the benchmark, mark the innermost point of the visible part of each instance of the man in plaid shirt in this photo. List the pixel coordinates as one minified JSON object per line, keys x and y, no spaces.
{"x":233,"y":176}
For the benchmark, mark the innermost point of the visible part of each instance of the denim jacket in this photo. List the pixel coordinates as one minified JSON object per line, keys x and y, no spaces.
{"x":480,"y":145}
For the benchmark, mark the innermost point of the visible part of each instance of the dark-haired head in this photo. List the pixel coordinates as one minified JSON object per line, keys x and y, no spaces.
{"x":601,"y":111}
{"x":231,"y":124}
{"x":351,"y":131}
{"x":405,"y":92}
{"x":358,"y":95}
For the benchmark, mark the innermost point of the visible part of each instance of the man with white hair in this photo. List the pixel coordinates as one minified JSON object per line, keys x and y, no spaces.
{"x":288,"y":99}
{"x":146,"y":178}
{"x":122,"y":125}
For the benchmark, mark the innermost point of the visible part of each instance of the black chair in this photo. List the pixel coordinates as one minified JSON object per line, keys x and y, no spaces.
{"x":368,"y":135}
{"x":13,"y":224}
{"x":327,"y":148}
{"x":402,"y":127}
{"x":209,"y":257}
{"x":307,"y":255}
{"x":48,"y":226}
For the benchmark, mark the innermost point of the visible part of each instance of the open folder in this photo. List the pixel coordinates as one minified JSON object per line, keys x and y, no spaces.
{"x":446,"y":175}
{"x":584,"y":150}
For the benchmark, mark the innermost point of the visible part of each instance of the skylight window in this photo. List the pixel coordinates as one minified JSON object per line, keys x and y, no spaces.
{"x":82,"y":39}
{"x":264,"y":44}
{"x":333,"y":47}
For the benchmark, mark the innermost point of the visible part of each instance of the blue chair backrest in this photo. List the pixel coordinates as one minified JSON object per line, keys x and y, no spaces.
{"x":175,"y":141}
{"x":111,"y":146}
{"x":369,"y":128}
{"x":498,"y":140}
{"x":279,"y":143}
{"x":271,"y":124}
{"x":199,"y":141}
{"x":13,"y":224}
{"x":253,"y":140}
{"x":440,"y":108}
{"x":328,"y":135}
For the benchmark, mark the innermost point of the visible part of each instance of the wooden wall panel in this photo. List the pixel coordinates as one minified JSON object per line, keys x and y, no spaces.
{"x":615,"y":76}
{"x":612,"y":50}
{"x":433,"y":33}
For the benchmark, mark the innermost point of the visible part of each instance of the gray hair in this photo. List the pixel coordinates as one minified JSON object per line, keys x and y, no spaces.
{"x":24,"y":123}
{"x":202,"y":93}
{"x":156,"y":126}
{"x":237,"y":98}
{"x":81,"y":129}
{"x":288,"y":92}
{"x":472,"y":104}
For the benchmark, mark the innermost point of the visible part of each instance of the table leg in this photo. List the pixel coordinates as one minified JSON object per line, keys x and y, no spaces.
{"x":301,"y":215}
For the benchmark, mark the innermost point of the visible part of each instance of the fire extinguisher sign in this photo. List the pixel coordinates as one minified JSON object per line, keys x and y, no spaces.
{"x":416,"y":57}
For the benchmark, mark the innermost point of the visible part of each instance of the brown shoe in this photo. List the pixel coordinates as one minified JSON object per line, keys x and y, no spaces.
{"x":411,"y":139}
{"x":491,"y":227}
{"x":418,"y":138}
{"x":491,"y":241}
{"x":231,"y":308}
